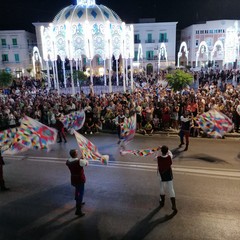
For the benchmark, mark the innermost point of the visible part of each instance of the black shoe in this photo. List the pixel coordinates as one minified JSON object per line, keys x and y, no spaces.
{"x":83,"y":203}
{"x":79,"y":213}
{"x":65,"y":141}
{"x":59,"y":141}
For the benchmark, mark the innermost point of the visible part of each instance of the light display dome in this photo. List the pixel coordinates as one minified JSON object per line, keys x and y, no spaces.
{"x":86,"y":11}
{"x":90,"y":33}
{"x":89,"y":30}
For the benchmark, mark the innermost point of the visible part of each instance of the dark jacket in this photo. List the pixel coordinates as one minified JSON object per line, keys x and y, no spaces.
{"x":77,"y":171}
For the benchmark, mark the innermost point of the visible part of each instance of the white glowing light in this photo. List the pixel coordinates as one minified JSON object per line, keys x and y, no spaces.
{"x":101,"y":71}
{"x":86,"y":2}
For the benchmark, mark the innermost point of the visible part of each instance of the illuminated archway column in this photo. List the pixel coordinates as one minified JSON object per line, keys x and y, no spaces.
{"x":77,"y":69}
{"x":49,"y":55}
{"x":91,"y":75}
{"x":131,"y":64}
{"x":105,"y":72}
{"x":69,"y":52}
{"x":110,"y":75}
{"x":57,"y":81}
{"x":117,"y":72}
{"x":72,"y":81}
{"x":48,"y":75}
{"x":126,"y":66}
{"x":89,"y":50}
{"x":109,"y":52}
{"x":54,"y":75}
{"x":64,"y":74}
{"x":124,"y":76}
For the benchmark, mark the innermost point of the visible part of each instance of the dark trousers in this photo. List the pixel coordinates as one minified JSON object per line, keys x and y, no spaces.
{"x":186,"y":134}
{"x":79,"y":192}
{"x":2,"y":183}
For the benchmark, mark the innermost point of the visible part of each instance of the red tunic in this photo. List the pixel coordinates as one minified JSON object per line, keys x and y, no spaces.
{"x":164,"y":163}
{"x":77,"y":172}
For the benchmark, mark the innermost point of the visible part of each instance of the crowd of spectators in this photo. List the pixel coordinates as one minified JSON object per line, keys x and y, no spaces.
{"x":156,"y":106}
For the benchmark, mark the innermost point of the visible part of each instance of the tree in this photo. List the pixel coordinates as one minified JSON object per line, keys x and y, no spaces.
{"x":5,"y":79}
{"x":79,"y":76}
{"x":179,"y":79}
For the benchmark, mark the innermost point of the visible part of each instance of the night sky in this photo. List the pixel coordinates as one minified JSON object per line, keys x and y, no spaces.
{"x":20,"y":14}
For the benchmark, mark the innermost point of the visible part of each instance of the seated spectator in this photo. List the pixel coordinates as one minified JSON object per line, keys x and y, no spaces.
{"x":108,"y":119}
{"x":89,"y":126}
{"x":148,"y":129}
{"x":156,"y":123}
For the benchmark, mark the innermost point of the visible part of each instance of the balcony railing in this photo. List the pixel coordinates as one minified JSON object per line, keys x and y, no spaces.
{"x":137,"y":41}
{"x":163,"y":40}
{"x":149,"y":41}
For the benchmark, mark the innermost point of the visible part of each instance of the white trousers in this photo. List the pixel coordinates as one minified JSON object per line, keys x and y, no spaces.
{"x":167,"y":186}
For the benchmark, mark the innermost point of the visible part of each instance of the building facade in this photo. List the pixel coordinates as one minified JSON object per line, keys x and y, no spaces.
{"x":210,"y":44}
{"x":154,"y":45}
{"x":16,"y":48}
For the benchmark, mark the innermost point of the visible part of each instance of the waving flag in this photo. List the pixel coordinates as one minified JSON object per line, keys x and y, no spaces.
{"x":89,"y":150}
{"x":7,"y":141}
{"x":128,"y":129}
{"x":30,"y":135}
{"x":74,"y":120}
{"x":215,"y":123}
{"x":141,"y":152}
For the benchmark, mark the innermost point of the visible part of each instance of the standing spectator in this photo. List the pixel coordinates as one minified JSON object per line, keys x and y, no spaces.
{"x":60,"y":128}
{"x":78,"y":179}
{"x":166,"y":176}
{"x":2,"y":182}
{"x":185,"y":130}
{"x":237,"y":121}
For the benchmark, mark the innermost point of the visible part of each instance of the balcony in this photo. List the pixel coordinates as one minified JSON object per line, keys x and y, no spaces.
{"x":163,"y":40}
{"x":137,"y":41}
{"x":149,"y":41}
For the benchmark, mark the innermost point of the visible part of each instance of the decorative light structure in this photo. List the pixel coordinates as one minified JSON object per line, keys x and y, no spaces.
{"x":87,"y":30}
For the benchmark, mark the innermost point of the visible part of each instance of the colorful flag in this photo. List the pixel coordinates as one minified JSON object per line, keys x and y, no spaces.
{"x":89,"y":150}
{"x":31,"y":134}
{"x":141,"y":152}
{"x":128,"y":129}
{"x":74,"y":120}
{"x":215,"y":123}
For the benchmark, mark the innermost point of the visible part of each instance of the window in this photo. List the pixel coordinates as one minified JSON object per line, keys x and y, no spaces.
{"x":3,"y":42}
{"x":136,"y":38}
{"x":149,"y":55}
{"x":16,"y":56}
{"x":197,"y":32}
{"x":14,"y":42}
{"x":4,"y":57}
{"x":202,"y":32}
{"x":149,"y":37}
{"x":196,"y":43}
{"x":163,"y":37}
{"x":135,"y":55}
{"x":99,"y":61}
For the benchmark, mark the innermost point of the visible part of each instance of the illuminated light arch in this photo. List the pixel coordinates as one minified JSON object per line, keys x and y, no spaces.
{"x":217,"y":43}
{"x":37,"y":62}
{"x":140,"y":52}
{"x":202,"y":44}
{"x":162,"y":54}
{"x":231,"y":44}
{"x":183,"y":47}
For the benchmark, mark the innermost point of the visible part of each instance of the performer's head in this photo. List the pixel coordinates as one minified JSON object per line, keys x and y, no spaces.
{"x":164,"y":149}
{"x":73,"y":153}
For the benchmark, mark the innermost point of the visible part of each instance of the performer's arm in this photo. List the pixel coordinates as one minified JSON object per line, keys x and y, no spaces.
{"x":83,"y":162}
